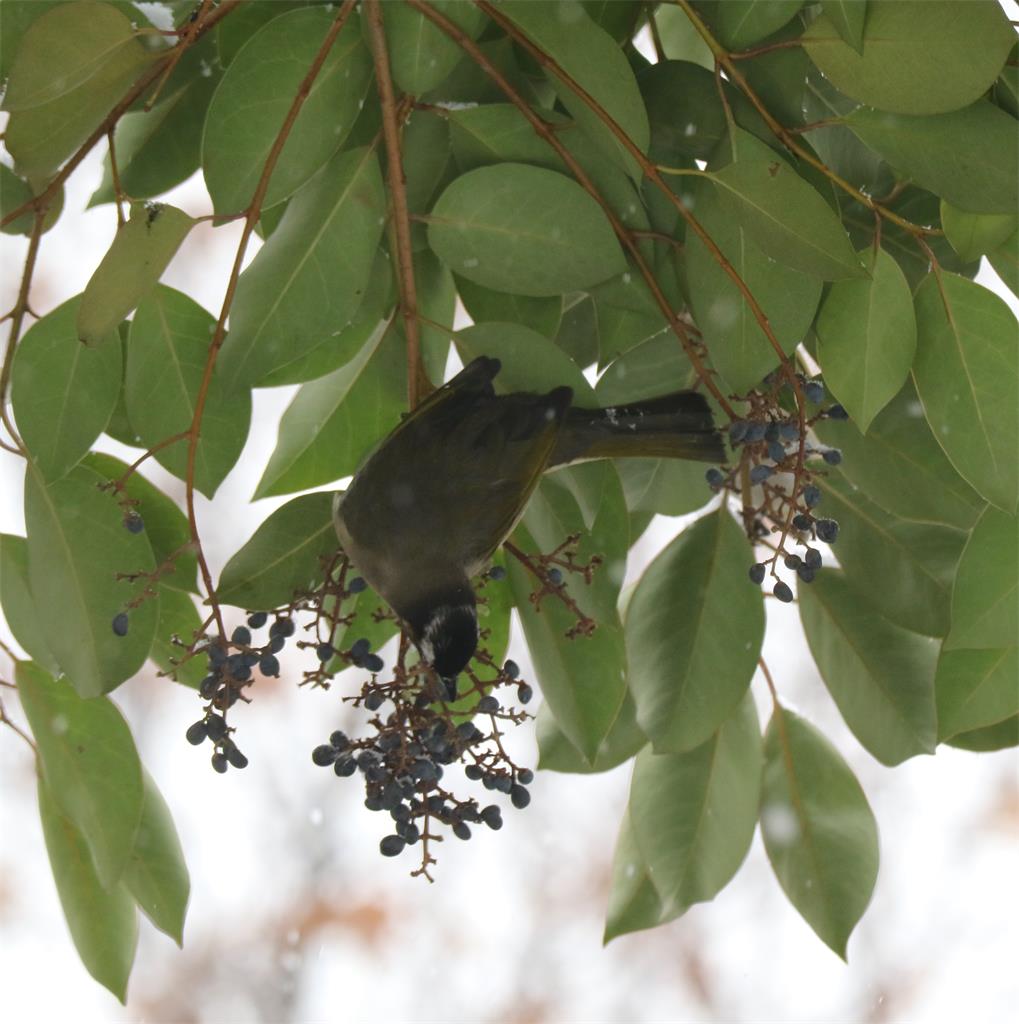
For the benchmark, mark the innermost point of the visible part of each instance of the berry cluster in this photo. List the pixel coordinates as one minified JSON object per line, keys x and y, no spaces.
{"x":415,"y":739}
{"x":775,"y":482}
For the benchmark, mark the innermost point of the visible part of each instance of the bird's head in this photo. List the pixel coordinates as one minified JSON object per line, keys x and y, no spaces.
{"x":445,"y":631}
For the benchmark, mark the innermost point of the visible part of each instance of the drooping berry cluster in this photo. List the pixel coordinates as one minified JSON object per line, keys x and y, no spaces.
{"x":416,"y":737}
{"x":776,"y":482}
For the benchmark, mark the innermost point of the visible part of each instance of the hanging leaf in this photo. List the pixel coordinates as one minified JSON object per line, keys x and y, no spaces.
{"x":905,"y":568}
{"x":523,"y":230}
{"x":587,"y":53}
{"x":557,"y":754}
{"x":966,"y":157}
{"x":103,"y":921}
{"x":685,"y":672}
{"x":847,"y":18}
{"x":880,"y":675}
{"x":167,"y":351}
{"x":967,"y":376}
{"x":985,"y":598}
{"x":976,"y":689}
{"x":901,"y":466}
{"x":976,"y":234}
{"x":421,"y":54}
{"x":255,"y":95}
{"x":131,"y":268}
{"x":63,"y":392}
{"x":77,"y":545}
{"x":992,"y":737}
{"x":541,"y":315}
{"x":89,"y":763}
{"x":27,"y":626}
{"x":73,"y":64}
{"x":741,"y":23}
{"x":866,"y":338}
{"x":818,"y":829}
{"x":333,"y":422}
{"x":686,"y":115}
{"x":308,"y":280}
{"x":782,"y":214}
{"x":156,"y":874}
{"x":693,"y":814}
{"x":911,"y":61}
{"x":740,"y":350}
{"x":283,"y":557}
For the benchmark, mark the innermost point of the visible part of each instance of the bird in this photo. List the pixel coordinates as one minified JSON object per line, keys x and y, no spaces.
{"x":438,"y":496}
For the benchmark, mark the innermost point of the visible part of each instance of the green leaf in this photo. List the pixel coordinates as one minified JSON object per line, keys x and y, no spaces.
{"x":592,"y":58}
{"x":976,"y":234}
{"x":77,"y":545}
{"x":669,"y":487}
{"x":905,"y":568}
{"x":680,"y":39}
{"x":166,"y":525}
{"x":693,"y":814}
{"x":684,"y":110}
{"x":976,"y":689}
{"x":1005,"y":260}
{"x":284,"y":555}
{"x":89,"y":762}
{"x":421,"y":54}
{"x":627,"y":314}
{"x":866,"y":338}
{"x":740,"y":23}
{"x":966,"y":157}
{"x":255,"y":95}
{"x":967,"y":376}
{"x":73,"y":64}
{"x":819,"y":831}
{"x":992,"y":737}
{"x":541,"y":315}
{"x":131,"y":268}
{"x":309,"y":278}
{"x":739,"y":349}
{"x":985,"y":598}
{"x":156,"y":874}
{"x":179,"y":617}
{"x":911,"y":61}
{"x":333,"y":422}
{"x":901,"y":467}
{"x":159,"y":148}
{"x":495,"y":132}
{"x":425,"y":154}
{"x":62,"y":391}
{"x":103,"y":922}
{"x":847,"y":17}
{"x":557,"y":754}
{"x":14,"y":193}
{"x":166,"y":355}
{"x":880,"y":675}
{"x":657,"y":366}
{"x":523,"y":230}
{"x":244,"y":21}
{"x":782,"y":213}
{"x":686,"y":673}
{"x":27,"y":626}
{"x":633,"y":902}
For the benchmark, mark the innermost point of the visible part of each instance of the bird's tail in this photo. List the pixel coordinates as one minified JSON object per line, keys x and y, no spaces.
{"x":676,"y":426}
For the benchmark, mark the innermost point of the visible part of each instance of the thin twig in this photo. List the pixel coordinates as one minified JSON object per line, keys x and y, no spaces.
{"x":418,"y":384}
{"x":165,"y":443}
{"x":117,"y":190}
{"x":5,"y":720}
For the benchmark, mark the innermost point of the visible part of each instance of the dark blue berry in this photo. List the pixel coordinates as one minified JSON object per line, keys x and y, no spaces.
{"x":812,"y":559}
{"x":524,"y":693}
{"x":345,"y":766}
{"x":461,"y":831}
{"x":323,"y":756}
{"x":511,"y":669}
{"x":525,"y":776}
{"x":238,"y":667}
{"x":497,"y":572}
{"x":196,"y":733}
{"x":555,"y":576}
{"x":802,"y":521}
{"x":219,"y":762}
{"x":789,"y":431}
{"x":411,"y":834}
{"x":241,"y":635}
{"x":488,"y":705}
{"x":812,"y":495}
{"x":276,"y":644}
{"x":392,"y":846}
{"x":775,"y":451}
{"x":374,"y":663}
{"x":256,"y":620}
{"x":755,"y":432}
{"x":714,"y":477}
{"x":757,"y":571}
{"x":827,"y":530}
{"x":208,"y":686}
{"x":474,"y":772}
{"x":792,"y":561}
{"x":492,"y":817}
{"x":771,"y":431}
{"x":805,"y":573}
{"x":338,"y":740}
{"x":760,"y":473}
{"x":374,"y":700}
{"x":837,"y":412}
{"x":360,"y":649}
{"x":520,"y":797}
{"x":269,"y":665}
{"x":357,"y":585}
{"x":217,"y":655}
{"x":215,"y":727}
{"x":782,"y":592}
{"x":738,"y":431}
{"x":235,"y":757}
{"x":282,"y":627}
{"x":134,"y":523}
{"x":832,"y":456}
{"x":814,"y":390}
{"x":120,"y":623}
